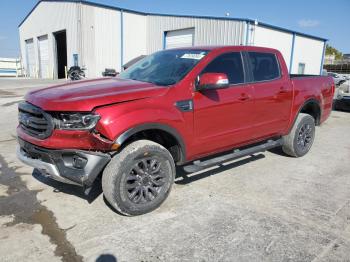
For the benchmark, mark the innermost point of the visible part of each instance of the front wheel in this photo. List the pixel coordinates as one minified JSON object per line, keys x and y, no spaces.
{"x":139,"y":178}
{"x":300,"y":139}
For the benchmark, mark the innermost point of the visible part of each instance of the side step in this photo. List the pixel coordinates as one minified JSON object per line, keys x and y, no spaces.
{"x":200,"y":165}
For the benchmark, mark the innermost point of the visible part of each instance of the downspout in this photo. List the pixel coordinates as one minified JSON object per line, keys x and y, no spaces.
{"x":121,"y":40}
{"x":80,"y":34}
{"x":247,"y":33}
{"x":292,"y":55}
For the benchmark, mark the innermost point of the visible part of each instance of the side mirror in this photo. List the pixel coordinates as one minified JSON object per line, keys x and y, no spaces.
{"x":212,"y":81}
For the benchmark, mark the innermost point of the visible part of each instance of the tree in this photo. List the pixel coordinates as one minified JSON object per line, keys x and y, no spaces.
{"x":332,"y":51}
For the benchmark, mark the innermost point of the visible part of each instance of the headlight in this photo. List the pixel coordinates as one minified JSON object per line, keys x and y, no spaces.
{"x":76,"y":121}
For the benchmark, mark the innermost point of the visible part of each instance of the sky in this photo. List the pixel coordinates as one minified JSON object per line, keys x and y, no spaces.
{"x":327,"y":19}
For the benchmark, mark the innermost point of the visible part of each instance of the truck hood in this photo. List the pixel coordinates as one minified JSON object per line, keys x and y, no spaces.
{"x":88,"y":94}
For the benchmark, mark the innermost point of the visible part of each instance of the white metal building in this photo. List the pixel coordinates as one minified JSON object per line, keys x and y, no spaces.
{"x":10,"y":66}
{"x":61,"y":33}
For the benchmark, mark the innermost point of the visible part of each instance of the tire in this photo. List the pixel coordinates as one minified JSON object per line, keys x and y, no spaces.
{"x":139,"y":178}
{"x":300,"y":139}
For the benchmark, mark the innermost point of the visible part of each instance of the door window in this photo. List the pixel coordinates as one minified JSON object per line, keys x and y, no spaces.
{"x":229,"y":64}
{"x":264,"y":66}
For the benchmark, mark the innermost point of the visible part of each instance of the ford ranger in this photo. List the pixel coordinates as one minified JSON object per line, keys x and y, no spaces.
{"x":174,"y":107}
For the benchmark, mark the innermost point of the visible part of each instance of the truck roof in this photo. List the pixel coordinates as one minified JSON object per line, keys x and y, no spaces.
{"x":229,"y":47}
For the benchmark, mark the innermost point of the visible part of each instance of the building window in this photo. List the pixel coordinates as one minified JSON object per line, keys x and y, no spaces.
{"x":301,"y":68}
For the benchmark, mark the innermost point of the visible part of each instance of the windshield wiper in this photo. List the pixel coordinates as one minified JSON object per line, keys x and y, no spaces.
{"x":164,"y":83}
{"x":144,"y":81}
{"x":158,"y":83}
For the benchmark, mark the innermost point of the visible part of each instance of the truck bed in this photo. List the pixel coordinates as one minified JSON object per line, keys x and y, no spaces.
{"x":317,"y":87}
{"x":302,"y":75}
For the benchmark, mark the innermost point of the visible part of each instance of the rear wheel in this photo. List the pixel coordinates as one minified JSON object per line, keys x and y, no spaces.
{"x":300,"y":139}
{"x":139,"y":178}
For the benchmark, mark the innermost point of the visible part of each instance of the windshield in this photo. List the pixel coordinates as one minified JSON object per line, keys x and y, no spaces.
{"x":165,"y":67}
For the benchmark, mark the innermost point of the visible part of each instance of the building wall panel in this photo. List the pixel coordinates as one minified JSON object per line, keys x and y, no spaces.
{"x":207,"y":31}
{"x":100,"y":39}
{"x":309,"y":52}
{"x":134,"y":36}
{"x":107,"y":40}
{"x":87,"y":54}
{"x":267,"y":37}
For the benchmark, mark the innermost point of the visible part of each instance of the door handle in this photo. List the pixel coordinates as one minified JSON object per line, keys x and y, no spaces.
{"x":283,"y":90}
{"x":244,"y":97}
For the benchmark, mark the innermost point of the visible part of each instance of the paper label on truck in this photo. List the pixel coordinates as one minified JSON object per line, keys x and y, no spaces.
{"x":193,"y":56}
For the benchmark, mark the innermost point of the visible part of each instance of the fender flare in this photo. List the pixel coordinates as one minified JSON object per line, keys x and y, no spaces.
{"x":164,"y":127}
{"x":311,"y":100}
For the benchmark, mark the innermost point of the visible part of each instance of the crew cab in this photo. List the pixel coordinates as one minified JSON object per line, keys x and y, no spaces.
{"x":174,"y":107}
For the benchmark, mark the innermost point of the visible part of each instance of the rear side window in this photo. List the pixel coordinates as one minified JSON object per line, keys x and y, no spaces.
{"x":229,"y":64}
{"x":264,"y":66}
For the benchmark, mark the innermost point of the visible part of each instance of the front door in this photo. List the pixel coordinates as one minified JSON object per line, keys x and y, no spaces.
{"x":223,"y":117}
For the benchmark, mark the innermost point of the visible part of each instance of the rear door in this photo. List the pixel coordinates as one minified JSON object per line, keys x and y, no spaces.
{"x":223,"y":117}
{"x":273,"y":94}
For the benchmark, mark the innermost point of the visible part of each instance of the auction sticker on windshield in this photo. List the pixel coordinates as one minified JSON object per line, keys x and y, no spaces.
{"x":193,"y":56}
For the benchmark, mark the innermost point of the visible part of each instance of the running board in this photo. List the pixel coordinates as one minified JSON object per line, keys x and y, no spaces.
{"x":200,"y":165}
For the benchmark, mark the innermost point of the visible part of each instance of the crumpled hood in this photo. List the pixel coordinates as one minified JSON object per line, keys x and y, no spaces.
{"x":88,"y":94}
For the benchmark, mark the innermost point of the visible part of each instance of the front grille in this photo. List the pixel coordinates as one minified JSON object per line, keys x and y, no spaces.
{"x":34,"y":121}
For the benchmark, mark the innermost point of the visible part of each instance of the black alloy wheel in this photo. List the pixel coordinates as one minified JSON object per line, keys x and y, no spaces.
{"x":301,"y":137}
{"x":145,"y":180}
{"x":305,"y":137}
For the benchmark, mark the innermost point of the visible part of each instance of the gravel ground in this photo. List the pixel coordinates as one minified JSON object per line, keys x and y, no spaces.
{"x":268,"y":207}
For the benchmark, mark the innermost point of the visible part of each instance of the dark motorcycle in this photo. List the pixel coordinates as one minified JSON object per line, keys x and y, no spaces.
{"x":76,"y":73}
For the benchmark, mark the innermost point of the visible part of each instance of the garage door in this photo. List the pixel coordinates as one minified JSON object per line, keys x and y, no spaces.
{"x":30,"y":57}
{"x":43,"y":45}
{"x":179,"y":38}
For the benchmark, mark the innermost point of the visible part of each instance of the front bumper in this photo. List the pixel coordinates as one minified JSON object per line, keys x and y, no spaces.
{"x":76,"y":167}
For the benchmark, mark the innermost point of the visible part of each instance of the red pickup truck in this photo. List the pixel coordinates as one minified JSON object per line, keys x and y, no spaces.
{"x":173,"y":107}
